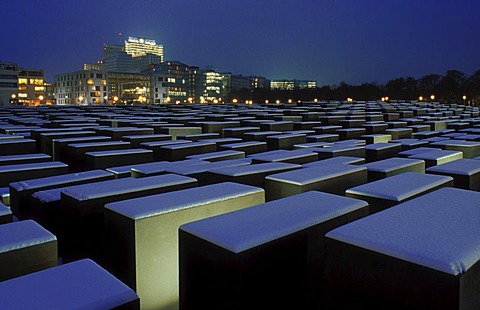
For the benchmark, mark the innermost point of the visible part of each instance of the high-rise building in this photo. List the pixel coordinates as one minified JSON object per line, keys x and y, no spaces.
{"x":134,"y":56}
{"x":137,"y":47}
{"x":8,"y":83}
{"x":118,"y":62}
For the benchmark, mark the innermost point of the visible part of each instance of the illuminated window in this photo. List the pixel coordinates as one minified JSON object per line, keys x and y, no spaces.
{"x":39,"y":88}
{"x":22,"y":95}
{"x":22,"y":81}
{"x":90,"y":82}
{"x":104,"y":82}
{"x":36,"y":81}
{"x":22,"y":87}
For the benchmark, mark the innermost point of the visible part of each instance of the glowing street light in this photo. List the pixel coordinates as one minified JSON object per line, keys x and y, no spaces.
{"x":234,"y":100}
{"x":464,"y":97}
{"x":315,"y":100}
{"x":289,"y":100}
{"x":420,"y":98}
{"x":266,"y":101}
{"x":277,"y":101}
{"x":115,"y":98}
{"x":80,"y":99}
{"x":432,"y":97}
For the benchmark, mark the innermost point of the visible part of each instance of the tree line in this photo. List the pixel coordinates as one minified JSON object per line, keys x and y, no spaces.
{"x":453,"y":86}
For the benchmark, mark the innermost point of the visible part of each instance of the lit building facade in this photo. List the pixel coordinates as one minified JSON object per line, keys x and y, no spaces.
{"x":129,"y":88}
{"x":31,"y":86}
{"x":8,"y":83}
{"x":180,"y":80}
{"x":81,"y":87}
{"x":215,"y":85}
{"x":292,"y":84}
{"x":137,"y":47}
{"x":134,"y":56}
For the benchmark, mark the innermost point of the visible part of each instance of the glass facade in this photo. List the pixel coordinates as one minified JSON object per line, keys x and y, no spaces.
{"x":129,"y":88}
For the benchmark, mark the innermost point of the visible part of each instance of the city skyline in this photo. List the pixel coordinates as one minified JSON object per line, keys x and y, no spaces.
{"x":326,"y":41}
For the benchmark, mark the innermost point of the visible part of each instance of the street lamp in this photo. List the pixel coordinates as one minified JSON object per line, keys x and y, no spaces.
{"x":14,"y":97}
{"x":40,"y":98}
{"x":80,"y":99}
{"x":432,"y":97}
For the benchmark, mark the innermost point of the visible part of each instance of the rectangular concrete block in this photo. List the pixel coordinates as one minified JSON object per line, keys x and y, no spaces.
{"x":21,"y":191}
{"x":25,"y":247}
{"x":465,"y":173}
{"x":113,"y":158}
{"x":5,"y":214}
{"x":81,"y":284}
{"x":17,"y":146}
{"x":13,"y":173}
{"x":254,"y":255}
{"x":82,"y":208}
{"x":24,"y":159}
{"x":437,"y":157}
{"x":379,"y":151}
{"x":401,"y":262}
{"x":60,"y":146}
{"x":218,"y":156}
{"x":248,"y":147}
{"x":135,"y":140}
{"x":391,"y":191}
{"x":341,"y":150}
{"x":285,"y":141}
{"x":251,"y":174}
{"x":334,"y":179}
{"x":392,"y":166}
{"x":77,"y":151}
{"x":176,"y":152}
{"x":142,"y":235}
{"x":46,"y":138}
{"x":298,"y":156}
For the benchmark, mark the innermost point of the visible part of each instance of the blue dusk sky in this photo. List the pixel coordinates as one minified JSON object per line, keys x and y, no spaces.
{"x":328,"y":41}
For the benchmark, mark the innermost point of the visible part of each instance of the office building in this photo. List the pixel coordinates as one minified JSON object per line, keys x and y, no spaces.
{"x":180,"y":80}
{"x":8,"y":83}
{"x":31,"y":86}
{"x":129,"y":88}
{"x":137,"y":47}
{"x":134,"y":56}
{"x":81,"y":87}
{"x":292,"y":84}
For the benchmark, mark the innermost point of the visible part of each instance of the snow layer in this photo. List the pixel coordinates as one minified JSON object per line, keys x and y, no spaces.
{"x":22,"y":234}
{"x":439,"y":230}
{"x":241,"y":230}
{"x":79,"y":285}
